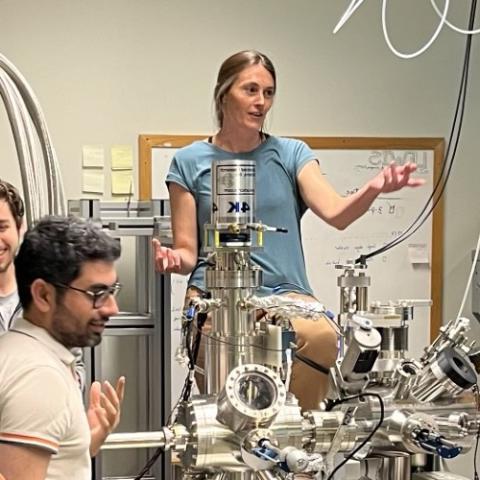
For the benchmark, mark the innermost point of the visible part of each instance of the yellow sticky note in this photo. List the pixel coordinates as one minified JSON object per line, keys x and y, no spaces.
{"x":92,"y":181}
{"x":93,"y":156}
{"x":122,"y":157}
{"x":122,"y":182}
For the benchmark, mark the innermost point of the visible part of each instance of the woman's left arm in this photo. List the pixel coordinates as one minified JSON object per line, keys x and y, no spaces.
{"x":340,"y":212}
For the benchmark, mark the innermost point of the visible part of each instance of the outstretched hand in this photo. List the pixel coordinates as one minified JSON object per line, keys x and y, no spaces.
{"x":166,"y":259}
{"x":394,"y":177}
{"x":104,"y":411}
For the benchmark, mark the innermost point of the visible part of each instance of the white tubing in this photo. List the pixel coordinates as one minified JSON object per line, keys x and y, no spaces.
{"x":41,"y":178}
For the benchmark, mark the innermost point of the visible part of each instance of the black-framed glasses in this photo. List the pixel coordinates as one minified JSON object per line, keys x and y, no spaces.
{"x":99,"y":297}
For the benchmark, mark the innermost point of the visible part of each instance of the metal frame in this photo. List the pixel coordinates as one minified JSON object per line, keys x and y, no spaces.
{"x":152,"y":319}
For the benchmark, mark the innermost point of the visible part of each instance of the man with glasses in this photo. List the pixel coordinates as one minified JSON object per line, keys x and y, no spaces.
{"x":67,"y":283}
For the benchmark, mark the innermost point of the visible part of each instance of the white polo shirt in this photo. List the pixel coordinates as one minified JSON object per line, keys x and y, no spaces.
{"x":40,"y":402}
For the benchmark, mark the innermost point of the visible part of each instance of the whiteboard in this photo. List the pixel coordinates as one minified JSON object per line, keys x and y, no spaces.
{"x":412,"y":270}
{"x":403,"y":272}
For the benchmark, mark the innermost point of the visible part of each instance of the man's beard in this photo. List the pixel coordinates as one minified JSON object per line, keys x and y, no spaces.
{"x":69,"y":337}
{"x":6,"y":265}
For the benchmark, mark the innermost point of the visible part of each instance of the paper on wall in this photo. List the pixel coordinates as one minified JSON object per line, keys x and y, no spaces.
{"x":122,"y":157}
{"x":93,"y":156}
{"x":418,"y":253}
{"x":122,"y":182}
{"x":92,"y":181}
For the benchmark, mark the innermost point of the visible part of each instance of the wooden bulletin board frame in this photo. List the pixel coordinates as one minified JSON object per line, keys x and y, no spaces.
{"x":147,"y":142}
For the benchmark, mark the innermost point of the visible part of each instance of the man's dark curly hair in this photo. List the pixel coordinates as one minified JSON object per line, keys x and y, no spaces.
{"x":56,"y":248}
{"x":10,"y":195}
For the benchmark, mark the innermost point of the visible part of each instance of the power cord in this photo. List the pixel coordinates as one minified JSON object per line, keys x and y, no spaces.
{"x":475,"y":468}
{"x":308,"y":361}
{"x":192,"y":354}
{"x":447,"y":163}
{"x":360,"y":396}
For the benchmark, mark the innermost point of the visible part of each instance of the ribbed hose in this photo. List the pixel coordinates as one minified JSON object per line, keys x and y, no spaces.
{"x":23,"y":150}
{"x":41,"y":178}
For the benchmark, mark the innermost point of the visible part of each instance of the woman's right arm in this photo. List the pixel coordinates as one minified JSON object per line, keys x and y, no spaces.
{"x":182,"y":258}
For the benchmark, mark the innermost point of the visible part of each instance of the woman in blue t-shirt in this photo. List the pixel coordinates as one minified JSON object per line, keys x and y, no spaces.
{"x":289,"y":181}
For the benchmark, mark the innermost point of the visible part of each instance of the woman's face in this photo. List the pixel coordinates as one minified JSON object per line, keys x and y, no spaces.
{"x":249,"y":99}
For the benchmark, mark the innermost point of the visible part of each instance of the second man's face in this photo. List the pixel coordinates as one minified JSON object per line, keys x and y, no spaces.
{"x":76,"y":322}
{"x":9,"y":237}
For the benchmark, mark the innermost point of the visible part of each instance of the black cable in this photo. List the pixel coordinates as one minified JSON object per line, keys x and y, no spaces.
{"x":442,"y":184}
{"x":370,"y":435}
{"x":455,"y":131}
{"x":308,"y":361}
{"x":475,"y":468}
{"x":201,"y":319}
{"x":151,"y":461}
{"x":331,"y":322}
{"x":187,"y":388}
{"x":245,"y":345}
{"x":192,"y":354}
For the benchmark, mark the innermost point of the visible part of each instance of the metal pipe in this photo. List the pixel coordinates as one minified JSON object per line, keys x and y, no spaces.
{"x":117,"y":441}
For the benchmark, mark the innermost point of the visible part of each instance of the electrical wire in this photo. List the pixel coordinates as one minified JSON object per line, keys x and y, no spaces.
{"x":475,"y":468}
{"x":426,"y":46}
{"x":460,"y":107}
{"x":334,"y":403}
{"x":470,"y":278}
{"x":192,"y":353}
{"x":243,"y":345}
{"x":308,"y":361}
{"x":347,"y":14}
{"x":453,"y":27}
{"x":355,"y":4}
{"x":150,"y":463}
{"x":447,"y":163}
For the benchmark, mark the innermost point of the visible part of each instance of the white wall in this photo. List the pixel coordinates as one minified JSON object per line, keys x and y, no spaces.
{"x":108,"y":70}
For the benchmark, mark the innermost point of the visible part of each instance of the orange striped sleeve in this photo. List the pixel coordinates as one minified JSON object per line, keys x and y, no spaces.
{"x":29,"y":440}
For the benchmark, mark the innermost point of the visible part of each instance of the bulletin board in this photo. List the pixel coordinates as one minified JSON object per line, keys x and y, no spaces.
{"x":411,"y":270}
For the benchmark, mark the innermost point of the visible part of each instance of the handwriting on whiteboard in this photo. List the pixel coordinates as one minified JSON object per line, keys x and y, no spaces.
{"x":379,"y":159}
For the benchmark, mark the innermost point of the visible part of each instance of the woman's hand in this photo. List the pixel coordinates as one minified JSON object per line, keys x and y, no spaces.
{"x":167,"y":260}
{"x":394,"y":177}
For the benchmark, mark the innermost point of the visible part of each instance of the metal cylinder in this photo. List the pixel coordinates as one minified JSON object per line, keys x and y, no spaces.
{"x":438,"y":476}
{"x":383,"y":465}
{"x":233,"y":191}
{"x":353,"y":291}
{"x":214,"y":445}
{"x":230,"y":342}
{"x":404,"y":376}
{"x":134,"y":440}
{"x":361,"y":354}
{"x":450,"y":373}
{"x":322,"y":427}
{"x":394,"y":341}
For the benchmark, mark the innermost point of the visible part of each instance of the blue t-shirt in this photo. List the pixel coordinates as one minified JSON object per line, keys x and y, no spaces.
{"x":278,"y":204}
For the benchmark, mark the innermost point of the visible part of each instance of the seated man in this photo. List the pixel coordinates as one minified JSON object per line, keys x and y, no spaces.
{"x":67,"y":282}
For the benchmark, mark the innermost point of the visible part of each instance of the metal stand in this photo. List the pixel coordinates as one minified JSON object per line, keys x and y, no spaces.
{"x":139,"y":341}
